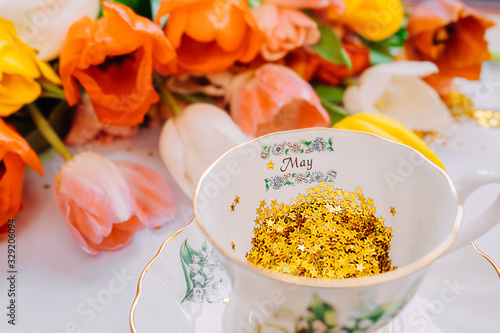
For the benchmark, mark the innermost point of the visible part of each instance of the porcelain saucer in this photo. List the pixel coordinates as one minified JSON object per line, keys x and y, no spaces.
{"x":185,"y":289}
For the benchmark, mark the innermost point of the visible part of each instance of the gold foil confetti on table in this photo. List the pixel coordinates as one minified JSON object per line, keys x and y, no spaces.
{"x":461,"y":105}
{"x":235,"y":203}
{"x":324,"y":233}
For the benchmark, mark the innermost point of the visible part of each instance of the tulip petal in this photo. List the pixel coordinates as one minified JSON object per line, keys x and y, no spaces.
{"x":285,"y":29}
{"x":15,"y":91}
{"x":223,"y":31}
{"x":122,"y":234}
{"x":396,"y":90}
{"x":11,"y":186}
{"x":94,"y":182}
{"x":135,"y":92}
{"x":178,"y":23}
{"x":83,"y":227}
{"x":375,"y":80}
{"x":450,"y":34}
{"x":271,"y":91}
{"x":97,"y":203}
{"x":172,"y":153}
{"x":11,"y":141}
{"x":16,"y":58}
{"x":421,"y":110}
{"x":389,"y":128}
{"x":152,"y":193}
{"x":80,"y":240}
{"x":63,"y":203}
{"x":411,"y":68}
{"x":190,"y":142}
{"x":44,"y":25}
{"x":87,"y":128}
{"x":374,"y":19}
{"x":91,"y":229}
{"x":120,"y":47}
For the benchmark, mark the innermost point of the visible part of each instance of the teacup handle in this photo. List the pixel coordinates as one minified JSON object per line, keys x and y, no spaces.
{"x":467,"y":184}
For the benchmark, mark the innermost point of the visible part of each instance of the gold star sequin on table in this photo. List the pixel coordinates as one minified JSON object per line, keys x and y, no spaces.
{"x":226,"y":300}
{"x":235,"y":203}
{"x":393,"y":211}
{"x":233,"y":246}
{"x":325,"y":233}
{"x":270,"y":165}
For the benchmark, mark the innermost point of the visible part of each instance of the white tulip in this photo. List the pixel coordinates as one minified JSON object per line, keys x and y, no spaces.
{"x":193,"y":140}
{"x":397,"y":90}
{"x":44,"y":24}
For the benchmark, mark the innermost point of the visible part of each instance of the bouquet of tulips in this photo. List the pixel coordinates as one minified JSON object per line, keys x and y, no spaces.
{"x":216,"y":73}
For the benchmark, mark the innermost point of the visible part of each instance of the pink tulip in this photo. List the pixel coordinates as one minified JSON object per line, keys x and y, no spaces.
{"x":274,"y":98}
{"x":285,"y":29}
{"x":104,"y":202}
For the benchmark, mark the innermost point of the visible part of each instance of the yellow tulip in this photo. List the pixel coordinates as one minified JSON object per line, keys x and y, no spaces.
{"x":373,"y":19}
{"x":388,"y":128}
{"x":19,"y":70}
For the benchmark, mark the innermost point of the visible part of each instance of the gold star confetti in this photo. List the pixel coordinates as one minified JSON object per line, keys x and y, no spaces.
{"x":270,"y":165}
{"x":328,"y":233}
{"x":232,"y":245}
{"x":462,"y":106}
{"x":237,"y":200}
{"x":393,"y":211}
{"x":226,"y":300}
{"x":232,"y":207}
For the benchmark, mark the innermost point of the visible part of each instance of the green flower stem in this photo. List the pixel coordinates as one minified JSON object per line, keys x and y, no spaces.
{"x":195,"y":98}
{"x":336,"y":112}
{"x":166,"y":96}
{"x":51,"y":90}
{"x":47,"y":131}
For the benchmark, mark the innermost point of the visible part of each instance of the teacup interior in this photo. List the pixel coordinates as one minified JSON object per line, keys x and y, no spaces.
{"x":393,"y":175}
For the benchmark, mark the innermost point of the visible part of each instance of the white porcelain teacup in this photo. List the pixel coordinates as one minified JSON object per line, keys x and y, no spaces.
{"x":425,"y":226}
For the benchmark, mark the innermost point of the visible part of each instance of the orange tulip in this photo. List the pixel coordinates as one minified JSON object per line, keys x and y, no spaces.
{"x":104,"y":202}
{"x":14,"y":153}
{"x":285,"y":29}
{"x":309,"y":65}
{"x":308,"y":4}
{"x":209,"y":35}
{"x":373,"y":19}
{"x":113,"y":59}
{"x":274,"y":98}
{"x":451,"y":35}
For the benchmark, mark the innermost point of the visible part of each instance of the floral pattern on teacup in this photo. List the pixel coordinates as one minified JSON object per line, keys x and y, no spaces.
{"x":321,"y":317}
{"x":290,"y":179}
{"x":203,"y":273}
{"x":297,"y":147}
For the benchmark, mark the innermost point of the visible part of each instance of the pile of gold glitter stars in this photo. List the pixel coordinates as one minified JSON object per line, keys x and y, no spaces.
{"x":326,"y":233}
